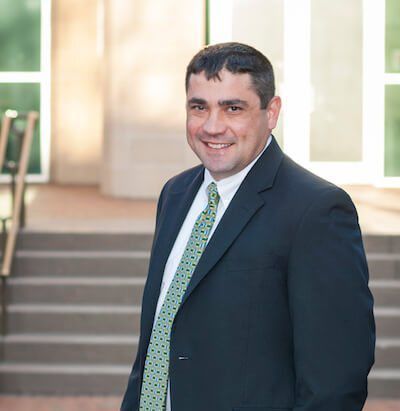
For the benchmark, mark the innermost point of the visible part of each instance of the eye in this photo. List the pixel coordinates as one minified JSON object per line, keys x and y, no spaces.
{"x":234,"y":109}
{"x":197,"y":107}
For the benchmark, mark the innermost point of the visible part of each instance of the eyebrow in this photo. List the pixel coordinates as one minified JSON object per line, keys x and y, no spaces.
{"x":196,"y":100}
{"x":231,"y":102}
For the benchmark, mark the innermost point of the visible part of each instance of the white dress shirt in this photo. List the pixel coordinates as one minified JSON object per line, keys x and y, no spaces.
{"x":227,"y":188}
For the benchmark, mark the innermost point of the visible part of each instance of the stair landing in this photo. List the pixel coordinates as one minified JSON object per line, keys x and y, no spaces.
{"x":70,"y":208}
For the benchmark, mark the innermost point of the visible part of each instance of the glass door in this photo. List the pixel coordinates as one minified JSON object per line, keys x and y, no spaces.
{"x":382,"y":68}
{"x":341,"y":96}
{"x":326,"y":128}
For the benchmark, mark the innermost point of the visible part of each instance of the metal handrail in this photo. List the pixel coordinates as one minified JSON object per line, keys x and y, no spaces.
{"x":22,"y":169}
{"x":8,"y":117}
{"x":11,"y":235}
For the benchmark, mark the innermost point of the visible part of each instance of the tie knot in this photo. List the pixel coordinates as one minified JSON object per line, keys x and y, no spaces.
{"x":213,"y":196}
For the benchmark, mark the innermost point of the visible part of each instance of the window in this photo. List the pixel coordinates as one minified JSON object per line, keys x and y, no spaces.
{"x":392,"y":88}
{"x":25,"y":72}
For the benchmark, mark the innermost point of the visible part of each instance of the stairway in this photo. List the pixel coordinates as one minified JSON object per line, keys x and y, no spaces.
{"x":74,"y":307}
{"x":383,"y":253}
{"x":73,"y":313}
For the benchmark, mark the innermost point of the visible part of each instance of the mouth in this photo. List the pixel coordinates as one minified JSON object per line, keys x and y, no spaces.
{"x":218,"y":146}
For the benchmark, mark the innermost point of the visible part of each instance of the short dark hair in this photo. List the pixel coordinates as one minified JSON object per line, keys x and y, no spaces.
{"x":237,"y":58}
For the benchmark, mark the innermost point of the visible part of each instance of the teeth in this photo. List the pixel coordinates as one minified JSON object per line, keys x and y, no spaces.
{"x":217,"y":146}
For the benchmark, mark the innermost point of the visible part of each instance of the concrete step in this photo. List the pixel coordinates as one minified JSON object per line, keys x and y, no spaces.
{"x":81,"y":263}
{"x":63,"y":379}
{"x":106,"y":241}
{"x":35,"y":240}
{"x":384,"y":383}
{"x":70,"y":349}
{"x":382,"y":243}
{"x":386,"y":292}
{"x":381,"y":265}
{"x":78,"y":379}
{"x":384,"y":266}
{"x":75,"y":319}
{"x":75,"y":309}
{"x":119,"y":349}
{"x":38,"y":240}
{"x":387,"y":353}
{"x":75,"y":290}
{"x":387,"y":322}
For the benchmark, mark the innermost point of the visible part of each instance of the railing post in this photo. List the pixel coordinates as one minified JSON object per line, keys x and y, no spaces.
{"x":4,"y":281}
{"x":18,"y":172}
{"x":19,"y":191}
{"x":3,"y":305}
{"x":5,"y":130}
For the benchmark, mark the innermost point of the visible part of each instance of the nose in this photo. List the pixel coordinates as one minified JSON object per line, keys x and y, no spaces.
{"x":214,"y":124}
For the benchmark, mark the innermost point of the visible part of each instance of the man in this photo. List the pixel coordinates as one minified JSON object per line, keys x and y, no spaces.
{"x":257,"y":294}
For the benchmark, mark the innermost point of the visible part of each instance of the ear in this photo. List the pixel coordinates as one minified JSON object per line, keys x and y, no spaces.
{"x":273,"y":110}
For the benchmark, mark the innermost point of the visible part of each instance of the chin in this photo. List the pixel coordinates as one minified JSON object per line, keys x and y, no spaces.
{"x":219,"y":173}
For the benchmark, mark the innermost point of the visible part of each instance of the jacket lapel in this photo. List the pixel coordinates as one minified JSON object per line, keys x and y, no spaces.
{"x":172,"y":216}
{"x":246,"y":202}
{"x":232,"y":223}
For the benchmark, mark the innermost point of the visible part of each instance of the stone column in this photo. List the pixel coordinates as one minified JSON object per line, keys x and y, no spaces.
{"x":148,"y":44}
{"x":77,"y":92}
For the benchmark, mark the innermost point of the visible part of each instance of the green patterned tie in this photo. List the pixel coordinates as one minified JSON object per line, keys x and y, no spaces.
{"x":155,"y":376}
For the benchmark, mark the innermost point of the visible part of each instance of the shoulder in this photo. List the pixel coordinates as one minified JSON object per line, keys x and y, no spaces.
{"x":182,"y":180}
{"x":305,"y":194}
{"x":179,"y":182}
{"x":307,"y":186}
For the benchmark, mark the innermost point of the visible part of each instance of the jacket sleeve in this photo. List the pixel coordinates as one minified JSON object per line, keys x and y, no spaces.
{"x":331,"y":307}
{"x":131,"y":398}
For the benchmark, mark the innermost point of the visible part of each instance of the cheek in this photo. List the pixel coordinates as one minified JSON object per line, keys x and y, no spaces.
{"x":247,"y":130}
{"x":241,"y":131}
{"x":192,"y":126}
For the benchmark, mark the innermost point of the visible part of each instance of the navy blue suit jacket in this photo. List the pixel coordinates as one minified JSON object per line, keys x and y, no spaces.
{"x":278,"y":314}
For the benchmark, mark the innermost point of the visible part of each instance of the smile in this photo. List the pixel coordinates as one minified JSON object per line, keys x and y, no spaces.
{"x":218,"y":146}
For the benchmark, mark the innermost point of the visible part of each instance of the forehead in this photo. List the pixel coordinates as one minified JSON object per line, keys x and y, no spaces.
{"x":228,"y":85}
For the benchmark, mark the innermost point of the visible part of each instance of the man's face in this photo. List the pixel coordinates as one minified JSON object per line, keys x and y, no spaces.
{"x":225,"y":126}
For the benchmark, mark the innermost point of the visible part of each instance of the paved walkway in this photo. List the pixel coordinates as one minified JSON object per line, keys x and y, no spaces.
{"x":54,"y":207}
{"x":113,"y":403}
{"x":11,"y":403}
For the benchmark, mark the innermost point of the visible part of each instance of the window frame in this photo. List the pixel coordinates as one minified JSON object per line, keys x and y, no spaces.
{"x":389,"y":79}
{"x":297,"y":93}
{"x":298,"y":98}
{"x":42,"y":78}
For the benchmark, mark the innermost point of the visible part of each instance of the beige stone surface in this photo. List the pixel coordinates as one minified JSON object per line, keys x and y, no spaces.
{"x":139,"y":181}
{"x":77,"y":92}
{"x":378,"y":208}
{"x":66,"y":208}
{"x":148,"y":44}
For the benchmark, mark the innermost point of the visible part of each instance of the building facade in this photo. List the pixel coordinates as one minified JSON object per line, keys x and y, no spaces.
{"x":108,"y":79}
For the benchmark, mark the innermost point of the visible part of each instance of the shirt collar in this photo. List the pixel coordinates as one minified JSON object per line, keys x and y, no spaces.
{"x":228,"y":186}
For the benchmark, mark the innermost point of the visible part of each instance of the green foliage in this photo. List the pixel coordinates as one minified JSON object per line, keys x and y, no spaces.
{"x":392,"y":37}
{"x":392,"y":130}
{"x":20,"y":35}
{"x":22,"y":97}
